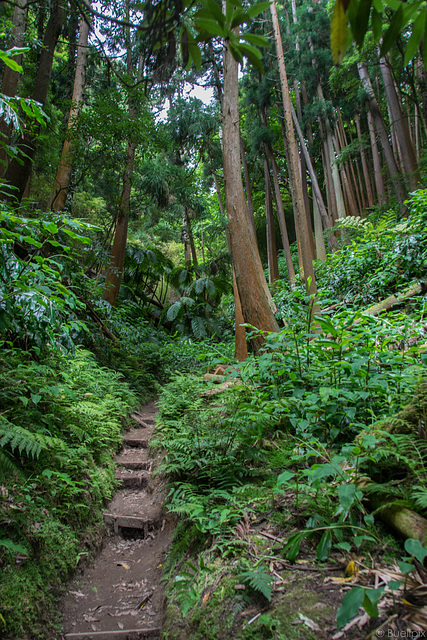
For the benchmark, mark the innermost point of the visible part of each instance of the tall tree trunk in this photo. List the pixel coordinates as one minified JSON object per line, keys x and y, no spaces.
{"x":366,"y":175}
{"x":273,"y":265}
{"x":19,"y":170}
{"x":63,"y":174}
{"x":324,"y":215}
{"x":114,"y":276}
{"x":293,"y":169}
{"x":257,"y":306}
{"x":240,"y":343}
{"x":399,"y":189}
{"x":400,"y":124}
{"x":379,"y":182}
{"x":10,"y":79}
{"x":247,"y":184}
{"x":270,"y":159}
{"x":318,"y":233}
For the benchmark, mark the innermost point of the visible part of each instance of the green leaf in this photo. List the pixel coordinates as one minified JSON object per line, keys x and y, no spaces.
{"x":390,"y":36}
{"x":324,"y":546}
{"x":371,"y":599}
{"x":418,"y":29}
{"x":255,"y":39}
{"x":195,"y":55}
{"x":339,"y":32}
{"x":415,"y":549}
{"x":35,"y":398}
{"x":211,"y":27}
{"x":405,"y":567}
{"x":256,"y":9}
{"x":376,"y":24}
{"x":51,"y":227}
{"x":360,"y":25}
{"x":4,"y":55}
{"x":215,"y":10}
{"x":351,"y":604}
{"x":284,"y":478}
{"x":346,"y":495}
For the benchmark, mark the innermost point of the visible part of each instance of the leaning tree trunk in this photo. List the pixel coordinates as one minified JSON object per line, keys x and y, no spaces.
{"x":294,"y":169}
{"x":19,"y":170}
{"x":63,"y":175}
{"x":10,"y":79}
{"x":257,"y":306}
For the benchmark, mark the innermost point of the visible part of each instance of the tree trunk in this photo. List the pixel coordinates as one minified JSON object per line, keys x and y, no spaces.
{"x":257,"y":307}
{"x":247,"y":184}
{"x":273,"y":266}
{"x":318,"y":233}
{"x":114,"y":276}
{"x":399,"y":189}
{"x":19,"y":170}
{"x":324,"y":215}
{"x":379,"y":182}
{"x":240,"y":343}
{"x":366,"y":175}
{"x":11,"y":78}
{"x":399,"y":122}
{"x":63,"y":174}
{"x":270,"y":159}
{"x":293,"y":168}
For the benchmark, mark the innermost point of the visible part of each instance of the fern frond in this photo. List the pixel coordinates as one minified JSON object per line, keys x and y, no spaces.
{"x":259,"y":580}
{"x":7,"y":466}
{"x":19,"y":438}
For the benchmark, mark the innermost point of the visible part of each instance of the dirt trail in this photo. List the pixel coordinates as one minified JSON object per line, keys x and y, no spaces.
{"x":119,"y":595}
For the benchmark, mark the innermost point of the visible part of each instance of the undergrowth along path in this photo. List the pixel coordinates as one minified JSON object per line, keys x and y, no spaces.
{"x":120,"y":595}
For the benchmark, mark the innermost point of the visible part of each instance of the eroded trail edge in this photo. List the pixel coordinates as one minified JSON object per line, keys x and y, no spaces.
{"x":119,"y":595}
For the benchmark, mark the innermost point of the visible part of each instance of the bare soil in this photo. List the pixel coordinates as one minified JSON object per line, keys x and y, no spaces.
{"x":119,"y":595}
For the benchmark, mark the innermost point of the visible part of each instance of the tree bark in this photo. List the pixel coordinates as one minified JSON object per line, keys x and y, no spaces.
{"x":399,"y":189}
{"x":365,"y":170}
{"x":400,"y":123}
{"x":273,"y":266}
{"x":379,"y":182}
{"x":293,"y":168}
{"x":19,"y":170}
{"x":257,"y":306}
{"x":63,"y":174}
{"x":114,"y":276}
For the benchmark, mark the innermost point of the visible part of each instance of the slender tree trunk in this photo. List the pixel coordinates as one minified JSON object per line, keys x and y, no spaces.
{"x":351,"y":207}
{"x":366,"y":175}
{"x":257,"y":307}
{"x":273,"y":265}
{"x":324,"y":215}
{"x":400,"y":191}
{"x":10,"y":79}
{"x":19,"y":170}
{"x":63,"y":175}
{"x":401,"y":126}
{"x":114,"y":276}
{"x":318,"y":233}
{"x":293,"y":169}
{"x":379,"y":182}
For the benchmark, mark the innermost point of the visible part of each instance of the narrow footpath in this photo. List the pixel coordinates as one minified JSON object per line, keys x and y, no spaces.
{"x":120,"y":596}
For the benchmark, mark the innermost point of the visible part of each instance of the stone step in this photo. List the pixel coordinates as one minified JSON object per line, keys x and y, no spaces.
{"x":116,"y":634}
{"x":129,"y":524}
{"x":129,"y":479}
{"x":135,"y":441}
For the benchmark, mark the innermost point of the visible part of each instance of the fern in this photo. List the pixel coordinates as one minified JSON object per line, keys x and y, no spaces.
{"x":259,"y":580}
{"x":19,"y":438}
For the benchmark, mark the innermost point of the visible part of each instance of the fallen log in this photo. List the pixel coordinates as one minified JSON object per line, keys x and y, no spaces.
{"x":393,"y":301}
{"x":405,"y":522}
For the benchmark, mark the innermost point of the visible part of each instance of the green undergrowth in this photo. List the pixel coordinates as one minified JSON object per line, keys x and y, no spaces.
{"x":60,"y":425}
{"x":279,"y":452}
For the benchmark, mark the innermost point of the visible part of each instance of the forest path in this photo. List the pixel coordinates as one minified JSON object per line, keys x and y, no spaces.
{"x":119,"y":595}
